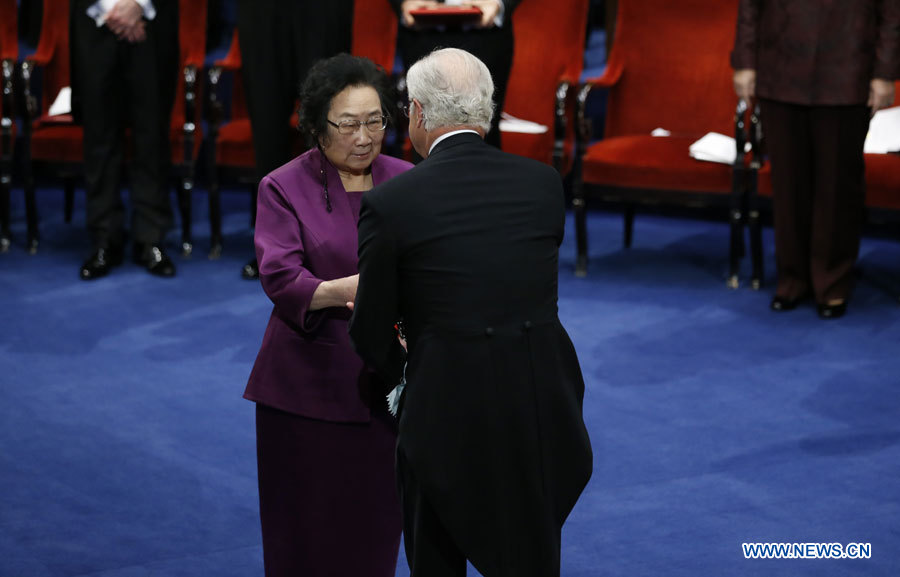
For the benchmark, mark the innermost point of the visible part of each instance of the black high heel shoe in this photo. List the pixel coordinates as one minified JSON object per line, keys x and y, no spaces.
{"x":834,"y":310}
{"x":783,"y":304}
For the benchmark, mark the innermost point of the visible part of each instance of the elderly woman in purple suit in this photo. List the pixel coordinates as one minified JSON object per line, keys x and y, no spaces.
{"x":325,"y":438}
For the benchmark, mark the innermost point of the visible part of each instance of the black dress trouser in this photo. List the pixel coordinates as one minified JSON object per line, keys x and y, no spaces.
{"x":118,"y":84}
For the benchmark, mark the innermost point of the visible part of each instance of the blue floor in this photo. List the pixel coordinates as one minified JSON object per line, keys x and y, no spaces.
{"x":127,"y":451}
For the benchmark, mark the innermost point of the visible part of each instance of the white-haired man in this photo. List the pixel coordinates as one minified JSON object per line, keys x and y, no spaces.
{"x":463,"y":249}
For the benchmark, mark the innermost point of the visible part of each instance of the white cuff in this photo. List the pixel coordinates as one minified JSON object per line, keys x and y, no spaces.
{"x":148,"y":8}
{"x":498,"y":21}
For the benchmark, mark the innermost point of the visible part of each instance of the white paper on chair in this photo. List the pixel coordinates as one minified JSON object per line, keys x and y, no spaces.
{"x":884,"y":132}
{"x":63,"y":102}
{"x":714,"y":147}
{"x":509,"y":123}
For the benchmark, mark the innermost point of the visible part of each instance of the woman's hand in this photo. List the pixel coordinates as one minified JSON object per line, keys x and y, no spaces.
{"x":881,"y":94}
{"x":335,"y":293}
{"x":745,"y":83}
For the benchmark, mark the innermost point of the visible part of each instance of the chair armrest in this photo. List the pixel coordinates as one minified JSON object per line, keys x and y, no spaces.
{"x":215,"y":109}
{"x":560,"y":121}
{"x":190,"y":111}
{"x":7,"y":68}
{"x":757,"y":140}
{"x":741,"y":133}
{"x":31,"y":103}
{"x":43,"y":54}
{"x":611,"y":75}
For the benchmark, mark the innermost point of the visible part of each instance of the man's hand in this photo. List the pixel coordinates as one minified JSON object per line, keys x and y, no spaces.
{"x":489,"y":11}
{"x":408,"y":6}
{"x":126,"y":21}
{"x":745,"y":83}
{"x":881,"y":94}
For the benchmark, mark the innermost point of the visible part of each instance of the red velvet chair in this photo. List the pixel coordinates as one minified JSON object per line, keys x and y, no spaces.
{"x":668,"y":68}
{"x":9,"y":53}
{"x":54,"y":144}
{"x":882,"y":187}
{"x":547,"y":63}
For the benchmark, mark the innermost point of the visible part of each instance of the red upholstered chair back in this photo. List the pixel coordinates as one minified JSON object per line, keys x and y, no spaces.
{"x":676,"y":74}
{"x":53,"y":50}
{"x":375,"y":32}
{"x":549,"y":48}
{"x":9,"y":42}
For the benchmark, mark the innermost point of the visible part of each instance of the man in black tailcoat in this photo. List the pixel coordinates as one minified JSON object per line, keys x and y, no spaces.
{"x":493,"y":452}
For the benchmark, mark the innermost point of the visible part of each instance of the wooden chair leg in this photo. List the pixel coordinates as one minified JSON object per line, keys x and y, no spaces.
{"x":184,"y":205}
{"x":735,"y":248}
{"x":5,"y":230}
{"x":31,"y":217}
{"x":69,"y":187}
{"x":756,"y":244}
{"x":628,"y":233}
{"x":215,"y":217}
{"x":581,"y":241}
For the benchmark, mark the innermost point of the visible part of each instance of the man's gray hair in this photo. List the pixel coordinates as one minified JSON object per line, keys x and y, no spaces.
{"x":454,"y":88}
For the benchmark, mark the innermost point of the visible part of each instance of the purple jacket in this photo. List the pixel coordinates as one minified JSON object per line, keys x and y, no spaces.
{"x":306,"y":364}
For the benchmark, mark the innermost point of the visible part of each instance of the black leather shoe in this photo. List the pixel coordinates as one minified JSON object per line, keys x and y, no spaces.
{"x":153,"y":258}
{"x":100,"y":263}
{"x":782,"y":304}
{"x":250,"y":271}
{"x":832,"y":311}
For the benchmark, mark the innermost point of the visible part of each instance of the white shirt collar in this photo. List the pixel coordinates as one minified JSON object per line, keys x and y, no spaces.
{"x":448,"y":135}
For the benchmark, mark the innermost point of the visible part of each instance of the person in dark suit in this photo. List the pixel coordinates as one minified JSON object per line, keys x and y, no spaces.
{"x":490,"y":39}
{"x":125,"y":66}
{"x":492,"y":450}
{"x":820,"y":70}
{"x":280,"y":40}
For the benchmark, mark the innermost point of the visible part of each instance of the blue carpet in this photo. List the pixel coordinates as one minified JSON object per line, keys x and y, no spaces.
{"x":127,"y":450}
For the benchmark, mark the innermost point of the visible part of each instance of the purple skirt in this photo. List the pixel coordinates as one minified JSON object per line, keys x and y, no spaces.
{"x":328,"y":497}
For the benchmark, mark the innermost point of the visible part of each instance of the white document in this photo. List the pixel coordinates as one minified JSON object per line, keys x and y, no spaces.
{"x":714,"y":147}
{"x":884,"y":132}
{"x":509,"y":123}
{"x":63,"y":102}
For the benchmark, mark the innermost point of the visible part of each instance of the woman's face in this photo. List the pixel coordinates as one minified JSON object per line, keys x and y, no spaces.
{"x":353,"y":153}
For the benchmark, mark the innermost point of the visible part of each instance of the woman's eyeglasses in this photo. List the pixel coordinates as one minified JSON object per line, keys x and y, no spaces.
{"x":347,"y":127}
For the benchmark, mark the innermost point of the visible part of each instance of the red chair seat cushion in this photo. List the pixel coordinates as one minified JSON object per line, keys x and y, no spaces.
{"x":883,"y":181}
{"x":656,"y":163}
{"x":57,"y":142}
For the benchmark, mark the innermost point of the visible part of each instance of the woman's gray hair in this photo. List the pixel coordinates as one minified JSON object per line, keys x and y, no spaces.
{"x":454,"y":88}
